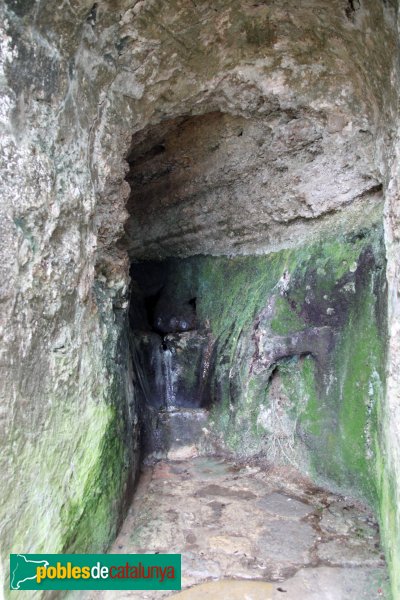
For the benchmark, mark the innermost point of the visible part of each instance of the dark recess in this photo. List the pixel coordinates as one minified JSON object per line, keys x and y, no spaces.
{"x":352,"y":6}
{"x":92,"y":16}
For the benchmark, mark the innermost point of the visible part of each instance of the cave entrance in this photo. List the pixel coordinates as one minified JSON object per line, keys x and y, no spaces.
{"x":245,"y":347}
{"x":175,"y":171}
{"x":214,"y":310}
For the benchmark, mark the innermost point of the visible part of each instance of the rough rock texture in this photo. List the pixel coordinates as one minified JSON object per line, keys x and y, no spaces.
{"x":232,"y":521}
{"x":218,"y":183}
{"x":67,"y":431}
{"x":296,"y":345}
{"x":390,"y":460}
{"x":311,"y":83}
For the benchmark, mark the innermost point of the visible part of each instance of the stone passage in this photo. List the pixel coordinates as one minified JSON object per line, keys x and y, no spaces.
{"x":244,"y":155}
{"x":252,"y":339}
{"x":271,"y":531}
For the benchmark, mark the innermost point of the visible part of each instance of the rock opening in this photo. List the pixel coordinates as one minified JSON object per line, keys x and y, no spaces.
{"x":216,"y":334}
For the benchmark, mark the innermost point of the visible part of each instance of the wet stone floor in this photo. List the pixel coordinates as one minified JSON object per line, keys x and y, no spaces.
{"x":250,"y":533}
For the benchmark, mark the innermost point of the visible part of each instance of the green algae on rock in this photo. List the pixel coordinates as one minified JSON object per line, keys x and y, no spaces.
{"x":297,"y":367}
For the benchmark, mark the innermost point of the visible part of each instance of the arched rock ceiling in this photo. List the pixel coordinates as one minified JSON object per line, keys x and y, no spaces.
{"x":219,"y":183}
{"x":267,"y":115}
{"x":308,"y":83}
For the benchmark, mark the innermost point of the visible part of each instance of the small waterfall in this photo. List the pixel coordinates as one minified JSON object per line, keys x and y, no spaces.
{"x":169,"y":379}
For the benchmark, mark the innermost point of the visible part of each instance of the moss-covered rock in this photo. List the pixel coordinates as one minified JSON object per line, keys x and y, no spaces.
{"x":297,"y":368}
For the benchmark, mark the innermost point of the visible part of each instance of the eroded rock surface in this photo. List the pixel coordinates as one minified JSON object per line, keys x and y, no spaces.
{"x":303,"y":94}
{"x":242,"y":522}
{"x":217,"y":183}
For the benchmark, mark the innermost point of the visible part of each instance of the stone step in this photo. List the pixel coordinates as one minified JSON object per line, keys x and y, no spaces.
{"x":178,"y":433}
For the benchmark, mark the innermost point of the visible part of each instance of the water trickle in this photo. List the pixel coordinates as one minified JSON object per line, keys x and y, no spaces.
{"x":170,"y":377}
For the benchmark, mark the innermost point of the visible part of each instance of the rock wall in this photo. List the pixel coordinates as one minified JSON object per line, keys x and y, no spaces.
{"x":390,"y":461}
{"x":310,"y":83}
{"x":68,"y":433}
{"x":296,"y":349}
{"x":219,"y":184}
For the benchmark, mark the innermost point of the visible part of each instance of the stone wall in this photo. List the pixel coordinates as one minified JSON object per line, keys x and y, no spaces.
{"x":68,"y":434}
{"x":295,"y":345}
{"x":390,"y":467}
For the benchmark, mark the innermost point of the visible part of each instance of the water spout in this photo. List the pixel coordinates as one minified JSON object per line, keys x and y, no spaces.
{"x":170,"y":377}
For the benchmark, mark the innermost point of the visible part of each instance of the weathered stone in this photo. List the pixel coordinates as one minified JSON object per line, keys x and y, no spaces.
{"x":232,"y":536}
{"x":176,"y":434}
{"x":236,"y":590}
{"x":277,"y":540}
{"x":279,"y":123}
{"x":351,"y":553}
{"x":341,"y":517}
{"x":284,"y":506}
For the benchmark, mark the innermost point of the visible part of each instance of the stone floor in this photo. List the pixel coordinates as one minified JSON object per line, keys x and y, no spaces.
{"x":246,"y":533}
